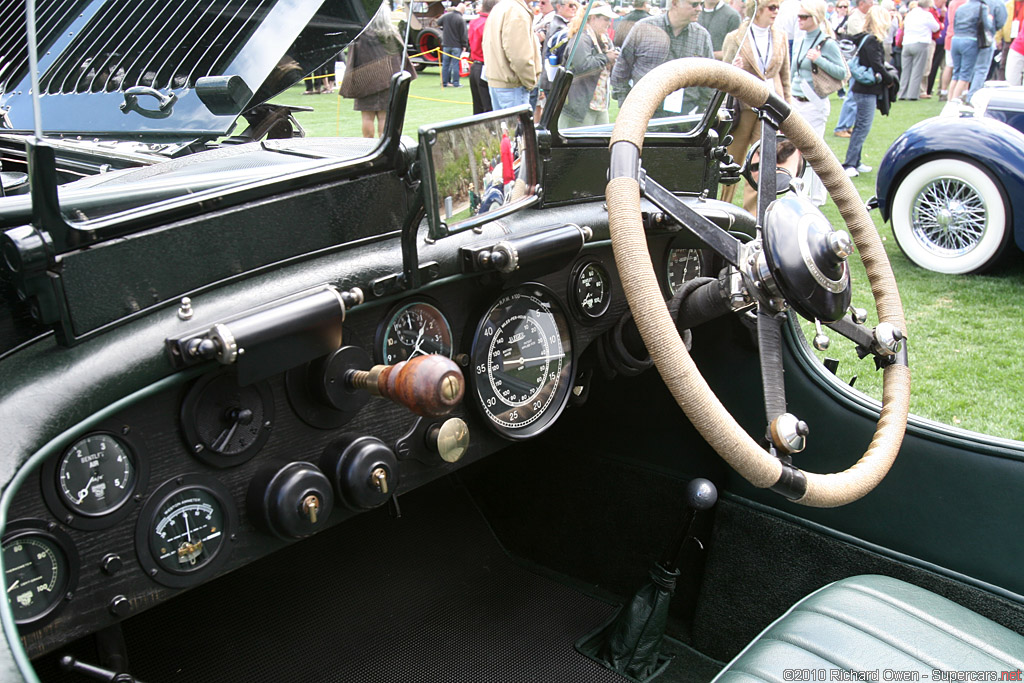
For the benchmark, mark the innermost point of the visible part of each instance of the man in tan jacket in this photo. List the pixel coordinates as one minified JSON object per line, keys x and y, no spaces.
{"x":511,"y":54}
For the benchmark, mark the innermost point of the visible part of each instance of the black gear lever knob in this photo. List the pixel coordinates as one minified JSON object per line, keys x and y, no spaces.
{"x":701,"y":494}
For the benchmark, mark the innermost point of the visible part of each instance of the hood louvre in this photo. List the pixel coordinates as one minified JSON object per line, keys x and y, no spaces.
{"x":154,"y":43}
{"x":52,"y":17}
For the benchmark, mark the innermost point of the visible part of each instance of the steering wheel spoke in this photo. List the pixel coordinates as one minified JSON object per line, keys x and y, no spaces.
{"x":885,"y":341}
{"x":721,"y":242}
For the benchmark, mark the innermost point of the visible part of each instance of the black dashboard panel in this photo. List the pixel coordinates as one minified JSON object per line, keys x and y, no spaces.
{"x":118,"y":575}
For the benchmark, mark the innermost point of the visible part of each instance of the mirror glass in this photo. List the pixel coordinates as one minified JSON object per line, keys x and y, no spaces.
{"x":478,"y":169}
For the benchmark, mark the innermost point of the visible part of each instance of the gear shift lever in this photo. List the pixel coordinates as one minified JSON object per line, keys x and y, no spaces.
{"x":630,"y":643}
{"x":701,"y":495}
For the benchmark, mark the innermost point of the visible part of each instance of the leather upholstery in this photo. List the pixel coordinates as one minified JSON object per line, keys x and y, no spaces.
{"x":879,"y":626}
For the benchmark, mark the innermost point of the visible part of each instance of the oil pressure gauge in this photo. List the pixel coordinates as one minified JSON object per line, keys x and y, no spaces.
{"x":590,"y":289}
{"x":184,"y":530}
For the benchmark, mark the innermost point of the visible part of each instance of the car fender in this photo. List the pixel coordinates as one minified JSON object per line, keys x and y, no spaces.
{"x":992,"y":144}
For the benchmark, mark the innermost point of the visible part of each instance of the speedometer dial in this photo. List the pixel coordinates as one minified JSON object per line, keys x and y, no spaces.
{"x":522,"y":362}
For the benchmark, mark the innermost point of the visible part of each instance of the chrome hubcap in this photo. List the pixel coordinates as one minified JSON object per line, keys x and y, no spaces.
{"x":949,"y":217}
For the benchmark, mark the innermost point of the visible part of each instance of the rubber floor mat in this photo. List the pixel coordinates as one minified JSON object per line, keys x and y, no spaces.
{"x":429,"y":596}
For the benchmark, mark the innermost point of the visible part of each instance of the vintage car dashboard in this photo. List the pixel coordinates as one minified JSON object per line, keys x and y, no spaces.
{"x":204,"y":475}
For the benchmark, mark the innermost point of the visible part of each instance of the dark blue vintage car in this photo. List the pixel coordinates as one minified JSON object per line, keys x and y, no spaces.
{"x":952,"y":185}
{"x":278,"y":409}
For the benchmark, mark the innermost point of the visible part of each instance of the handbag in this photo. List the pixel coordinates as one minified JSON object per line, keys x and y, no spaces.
{"x":861,"y":73}
{"x":823,"y":83}
{"x":984,"y":37}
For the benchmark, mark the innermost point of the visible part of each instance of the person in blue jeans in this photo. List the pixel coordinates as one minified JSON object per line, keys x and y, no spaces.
{"x":971,"y":64}
{"x":847,"y":116}
{"x":865,"y":95}
{"x":997,"y":15}
{"x":454,"y":39}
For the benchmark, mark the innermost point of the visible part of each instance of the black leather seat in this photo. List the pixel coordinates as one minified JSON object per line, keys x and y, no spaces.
{"x":883,"y":628}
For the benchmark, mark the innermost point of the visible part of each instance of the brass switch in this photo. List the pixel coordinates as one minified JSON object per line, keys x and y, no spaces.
{"x":379,"y":478}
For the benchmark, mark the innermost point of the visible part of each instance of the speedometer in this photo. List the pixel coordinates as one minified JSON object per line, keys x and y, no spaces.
{"x":522,"y":362}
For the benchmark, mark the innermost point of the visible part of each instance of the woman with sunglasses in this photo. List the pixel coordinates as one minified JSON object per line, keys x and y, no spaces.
{"x":815,"y":50}
{"x":762,"y":49}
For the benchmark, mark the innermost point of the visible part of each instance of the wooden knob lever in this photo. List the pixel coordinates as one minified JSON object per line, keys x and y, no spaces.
{"x":427,"y":385}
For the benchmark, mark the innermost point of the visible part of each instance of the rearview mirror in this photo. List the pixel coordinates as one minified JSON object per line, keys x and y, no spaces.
{"x":478,"y":169}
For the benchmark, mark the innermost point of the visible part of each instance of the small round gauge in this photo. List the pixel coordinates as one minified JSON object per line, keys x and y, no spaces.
{"x":40,"y":570}
{"x":89,"y":485}
{"x":591,"y":290}
{"x":225,"y":424}
{"x":414,"y":329}
{"x":522,"y":362}
{"x":683,"y":265}
{"x":184,"y":528}
{"x":96,"y":475}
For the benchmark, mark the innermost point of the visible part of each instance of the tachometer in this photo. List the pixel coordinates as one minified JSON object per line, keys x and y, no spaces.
{"x":522,"y":363}
{"x":683,"y":265}
{"x":414,"y":329}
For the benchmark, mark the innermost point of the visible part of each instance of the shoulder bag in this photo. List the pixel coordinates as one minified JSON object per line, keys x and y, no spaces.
{"x":861,"y":73}
{"x":823,"y":83}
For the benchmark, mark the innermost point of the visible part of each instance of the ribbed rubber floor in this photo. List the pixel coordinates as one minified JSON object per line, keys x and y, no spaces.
{"x":427,"y":597}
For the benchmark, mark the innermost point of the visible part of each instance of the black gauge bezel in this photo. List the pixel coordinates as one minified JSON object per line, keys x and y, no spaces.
{"x":582,"y":315}
{"x":147,"y":519}
{"x":702,"y":255}
{"x":52,"y":533}
{"x":191,"y":433}
{"x":558,"y":403}
{"x":385,"y":324}
{"x":58,"y":504}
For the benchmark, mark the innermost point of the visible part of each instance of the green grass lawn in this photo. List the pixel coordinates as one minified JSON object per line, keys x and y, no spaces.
{"x":966,"y":369}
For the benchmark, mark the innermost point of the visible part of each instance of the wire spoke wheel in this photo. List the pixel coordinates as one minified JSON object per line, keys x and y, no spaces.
{"x":950,"y":215}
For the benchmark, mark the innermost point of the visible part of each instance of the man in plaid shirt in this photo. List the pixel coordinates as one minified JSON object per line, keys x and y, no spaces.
{"x":656,"y":40}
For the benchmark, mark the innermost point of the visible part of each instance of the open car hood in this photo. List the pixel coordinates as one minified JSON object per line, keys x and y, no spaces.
{"x":158,"y":70}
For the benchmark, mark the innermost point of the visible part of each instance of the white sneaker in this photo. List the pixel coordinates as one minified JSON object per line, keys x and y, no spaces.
{"x":863,"y":168}
{"x":852,"y":172}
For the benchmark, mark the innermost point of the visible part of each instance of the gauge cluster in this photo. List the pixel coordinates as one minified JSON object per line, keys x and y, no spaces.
{"x":207,"y":476}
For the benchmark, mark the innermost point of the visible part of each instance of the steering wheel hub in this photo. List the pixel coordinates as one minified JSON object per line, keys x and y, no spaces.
{"x":809,"y":262}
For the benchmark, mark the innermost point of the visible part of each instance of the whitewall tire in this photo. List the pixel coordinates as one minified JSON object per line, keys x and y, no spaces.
{"x":950,"y":216}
